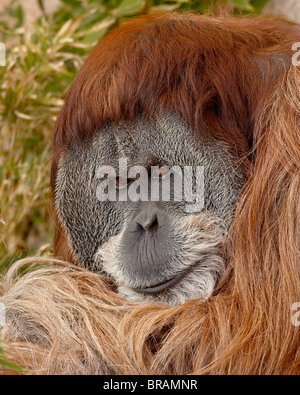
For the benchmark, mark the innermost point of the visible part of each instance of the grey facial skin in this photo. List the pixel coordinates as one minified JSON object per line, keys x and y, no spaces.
{"x":153,"y":251}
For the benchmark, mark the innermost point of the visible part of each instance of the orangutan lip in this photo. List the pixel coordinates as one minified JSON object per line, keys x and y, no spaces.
{"x":164,"y":285}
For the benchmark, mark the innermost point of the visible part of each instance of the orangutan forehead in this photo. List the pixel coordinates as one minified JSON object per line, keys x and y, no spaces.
{"x":143,"y":141}
{"x":159,"y":140}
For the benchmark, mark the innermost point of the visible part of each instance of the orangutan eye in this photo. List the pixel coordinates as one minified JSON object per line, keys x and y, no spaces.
{"x":160,"y":171}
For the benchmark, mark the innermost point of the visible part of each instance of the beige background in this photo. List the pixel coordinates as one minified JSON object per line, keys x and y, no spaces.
{"x":288,"y":8}
{"x":31,"y":7}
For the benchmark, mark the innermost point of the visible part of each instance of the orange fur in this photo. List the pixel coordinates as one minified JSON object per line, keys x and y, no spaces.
{"x":194,"y":65}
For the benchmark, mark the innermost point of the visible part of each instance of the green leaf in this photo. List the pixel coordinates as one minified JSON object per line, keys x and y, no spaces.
{"x":41,"y":5}
{"x":243,"y":5}
{"x":259,"y":4}
{"x":20,"y":15}
{"x":5,"y":363}
{"x":129,"y":7}
{"x":73,"y":3}
{"x":12,"y":366}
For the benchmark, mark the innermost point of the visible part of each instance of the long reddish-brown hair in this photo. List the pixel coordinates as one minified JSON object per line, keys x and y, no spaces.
{"x":231,"y":78}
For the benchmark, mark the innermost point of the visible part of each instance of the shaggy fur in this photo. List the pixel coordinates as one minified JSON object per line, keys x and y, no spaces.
{"x":63,"y":319}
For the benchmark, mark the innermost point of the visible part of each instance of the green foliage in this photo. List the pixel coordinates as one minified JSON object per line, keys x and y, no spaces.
{"x":6,"y":364}
{"x":42,"y":61}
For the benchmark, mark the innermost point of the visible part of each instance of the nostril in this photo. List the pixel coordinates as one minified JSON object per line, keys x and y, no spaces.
{"x":153,"y":226}
{"x":148,"y":222}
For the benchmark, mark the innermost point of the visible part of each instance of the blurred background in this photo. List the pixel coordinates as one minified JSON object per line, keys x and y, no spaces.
{"x":46,"y":43}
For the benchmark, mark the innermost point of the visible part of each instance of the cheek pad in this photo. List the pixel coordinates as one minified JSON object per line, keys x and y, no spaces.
{"x":88,"y":222}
